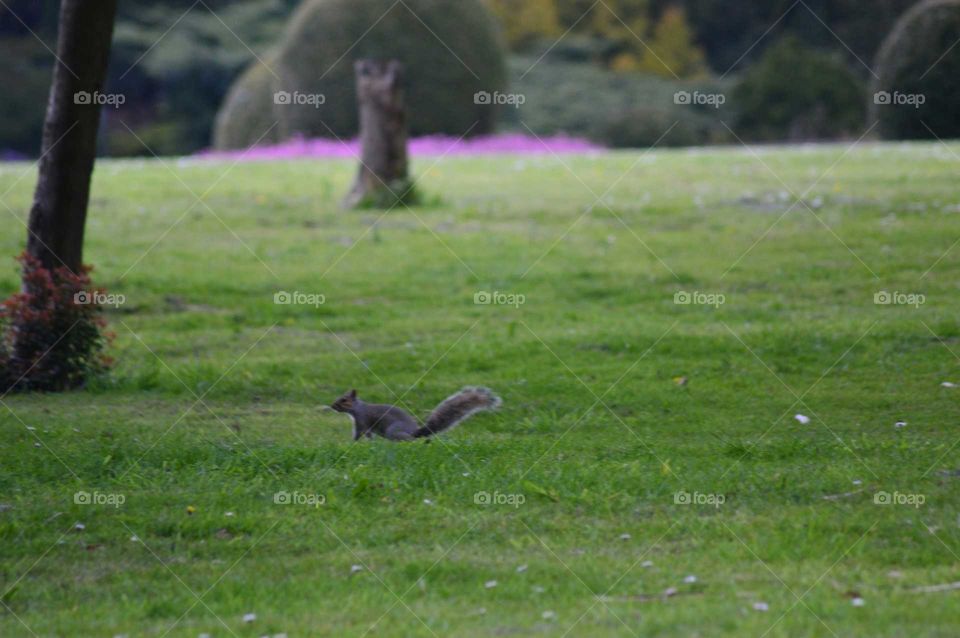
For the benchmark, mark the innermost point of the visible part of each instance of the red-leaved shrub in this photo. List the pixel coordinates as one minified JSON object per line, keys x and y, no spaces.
{"x":52,"y":331}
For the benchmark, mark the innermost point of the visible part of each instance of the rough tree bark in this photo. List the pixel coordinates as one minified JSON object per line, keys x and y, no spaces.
{"x":382,"y":179}
{"x":59,"y":211}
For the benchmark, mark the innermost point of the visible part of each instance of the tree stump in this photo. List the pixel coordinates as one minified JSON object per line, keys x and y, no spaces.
{"x":382,"y":179}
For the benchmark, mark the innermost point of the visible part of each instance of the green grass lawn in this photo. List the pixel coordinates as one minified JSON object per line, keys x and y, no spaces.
{"x":217,"y":402}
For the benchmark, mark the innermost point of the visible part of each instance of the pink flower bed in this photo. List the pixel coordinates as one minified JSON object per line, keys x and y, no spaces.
{"x":436,"y":145}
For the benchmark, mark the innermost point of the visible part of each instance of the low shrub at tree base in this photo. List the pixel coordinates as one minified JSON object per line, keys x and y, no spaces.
{"x":53,"y":334}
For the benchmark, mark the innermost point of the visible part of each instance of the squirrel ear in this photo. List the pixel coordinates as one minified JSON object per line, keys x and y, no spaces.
{"x":353,"y":394}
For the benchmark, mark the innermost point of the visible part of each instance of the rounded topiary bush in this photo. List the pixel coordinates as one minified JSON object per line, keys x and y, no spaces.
{"x":247,"y":111}
{"x":797,"y":93}
{"x":919,"y":74}
{"x":450,"y":49}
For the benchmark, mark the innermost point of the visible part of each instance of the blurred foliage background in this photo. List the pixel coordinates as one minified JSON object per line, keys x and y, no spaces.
{"x":608,"y":71}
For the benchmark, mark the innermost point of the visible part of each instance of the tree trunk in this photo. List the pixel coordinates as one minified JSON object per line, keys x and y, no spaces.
{"x":382,"y":179}
{"x":53,"y":340}
{"x":59,"y":212}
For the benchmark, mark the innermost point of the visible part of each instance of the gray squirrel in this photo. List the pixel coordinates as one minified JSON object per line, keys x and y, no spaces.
{"x":397,"y":424}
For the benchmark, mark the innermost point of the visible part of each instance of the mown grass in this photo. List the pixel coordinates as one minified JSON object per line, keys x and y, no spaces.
{"x":216,"y":403}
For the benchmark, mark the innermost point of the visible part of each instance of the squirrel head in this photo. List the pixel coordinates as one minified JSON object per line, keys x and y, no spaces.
{"x":346,"y":402}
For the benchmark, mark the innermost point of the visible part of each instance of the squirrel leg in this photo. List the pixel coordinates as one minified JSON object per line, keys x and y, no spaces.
{"x":398,"y":432}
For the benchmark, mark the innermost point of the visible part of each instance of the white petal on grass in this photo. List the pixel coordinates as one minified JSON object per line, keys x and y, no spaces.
{"x":249,"y":617}
{"x":521,"y":569}
{"x":625,"y":537}
{"x":803,"y":419}
{"x":427,"y":501}
{"x":761,"y":606}
{"x":646,"y":563}
{"x":79,"y":527}
{"x":948,"y":384}
{"x":548,"y":615}
{"x":690,"y":579}
{"x":900,"y":424}
{"x":134,"y":539}
{"x":857,"y":602}
{"x":670,"y":591}
{"x":356,"y":568}
{"x":490,"y":584}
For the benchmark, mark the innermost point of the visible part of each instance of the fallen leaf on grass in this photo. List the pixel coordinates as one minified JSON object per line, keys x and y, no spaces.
{"x":542,"y":491}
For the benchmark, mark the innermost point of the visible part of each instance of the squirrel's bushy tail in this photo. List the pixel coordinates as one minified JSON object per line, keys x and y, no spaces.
{"x":457,"y":408}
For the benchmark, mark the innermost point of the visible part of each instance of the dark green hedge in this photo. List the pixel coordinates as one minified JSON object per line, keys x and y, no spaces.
{"x":797,"y":93}
{"x":917,"y":95}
